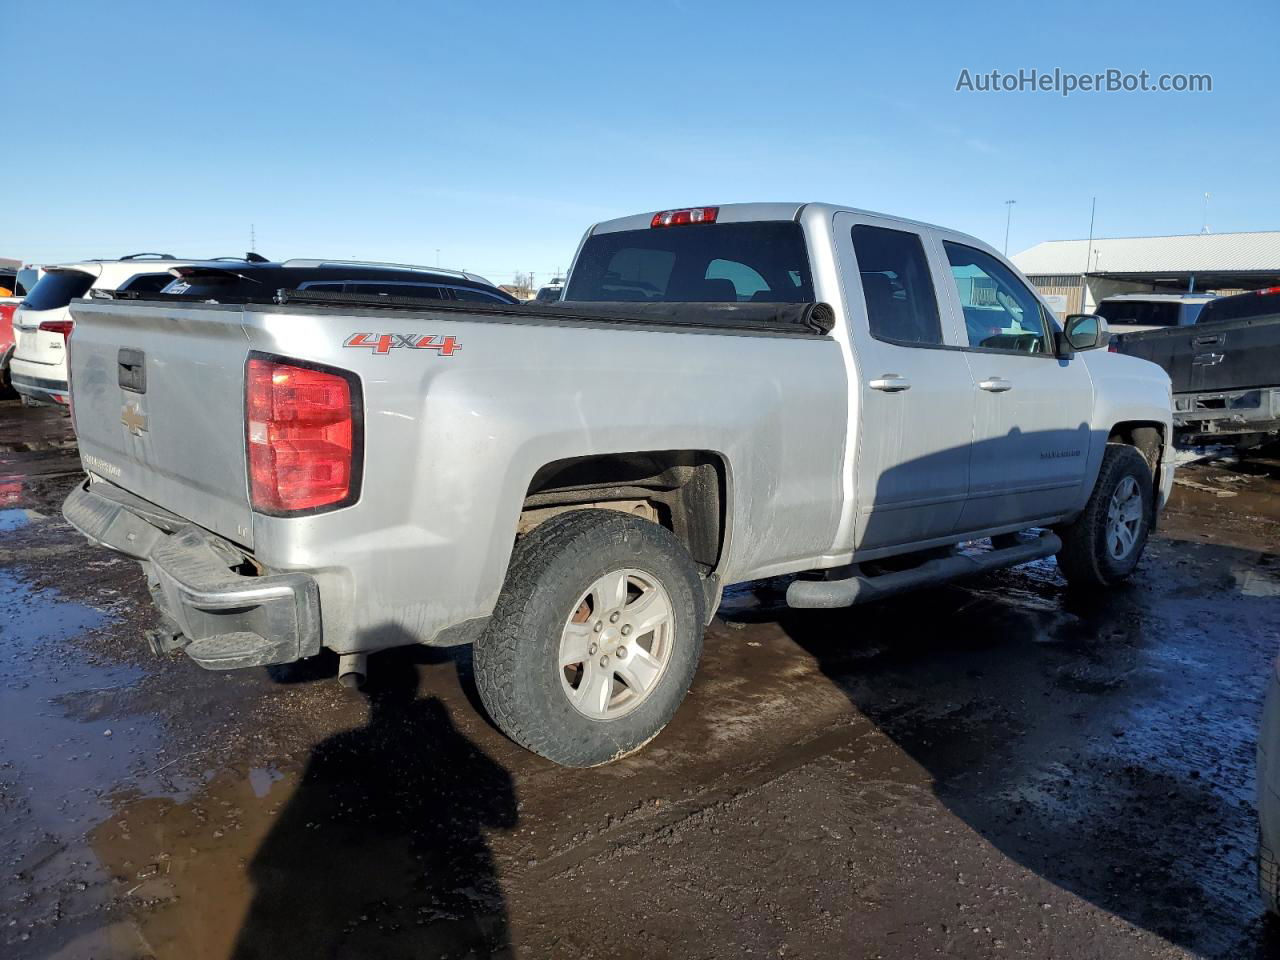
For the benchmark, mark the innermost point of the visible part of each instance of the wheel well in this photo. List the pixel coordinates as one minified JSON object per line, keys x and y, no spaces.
{"x":684,"y":490}
{"x":1147,"y":437}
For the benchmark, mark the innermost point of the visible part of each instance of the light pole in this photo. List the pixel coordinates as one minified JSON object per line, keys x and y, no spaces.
{"x":1008,"y":218}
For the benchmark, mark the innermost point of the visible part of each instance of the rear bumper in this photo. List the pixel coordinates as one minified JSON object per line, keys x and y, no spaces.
{"x":1228,"y":412}
{"x":221,"y":618}
{"x":40,"y":389}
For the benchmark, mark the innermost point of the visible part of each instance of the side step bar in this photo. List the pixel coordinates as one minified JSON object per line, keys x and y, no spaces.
{"x":828,"y":594}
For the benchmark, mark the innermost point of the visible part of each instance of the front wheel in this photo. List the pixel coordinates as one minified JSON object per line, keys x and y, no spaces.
{"x":595,"y":638}
{"x":1103,"y":545}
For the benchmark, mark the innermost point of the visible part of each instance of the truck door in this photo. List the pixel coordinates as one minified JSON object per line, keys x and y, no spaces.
{"x":915,"y":394}
{"x":1032,"y":408}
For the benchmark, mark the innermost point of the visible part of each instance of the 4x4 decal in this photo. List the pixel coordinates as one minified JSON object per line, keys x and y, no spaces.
{"x":384,"y":343}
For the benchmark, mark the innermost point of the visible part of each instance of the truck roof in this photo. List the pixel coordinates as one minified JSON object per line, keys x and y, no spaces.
{"x":753,"y":212}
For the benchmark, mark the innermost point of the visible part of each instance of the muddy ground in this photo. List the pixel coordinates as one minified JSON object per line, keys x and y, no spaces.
{"x":995,"y":769}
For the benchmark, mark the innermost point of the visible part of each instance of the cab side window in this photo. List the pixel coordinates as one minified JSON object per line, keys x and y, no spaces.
{"x":1000,"y":313}
{"x":902,"y":306}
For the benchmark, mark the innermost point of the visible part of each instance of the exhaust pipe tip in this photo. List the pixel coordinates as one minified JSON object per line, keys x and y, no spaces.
{"x":353,"y":670}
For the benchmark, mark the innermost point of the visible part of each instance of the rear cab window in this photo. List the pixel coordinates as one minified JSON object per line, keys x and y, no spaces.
{"x":57,"y":288}
{"x":1140,"y":313}
{"x":1240,"y":307}
{"x":756,"y":262}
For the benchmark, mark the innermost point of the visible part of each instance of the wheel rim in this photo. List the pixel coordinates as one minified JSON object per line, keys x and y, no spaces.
{"x":616,"y":644}
{"x":1124,"y":519}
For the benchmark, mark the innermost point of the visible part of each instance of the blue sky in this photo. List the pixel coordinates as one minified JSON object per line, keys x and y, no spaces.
{"x":496,"y":132}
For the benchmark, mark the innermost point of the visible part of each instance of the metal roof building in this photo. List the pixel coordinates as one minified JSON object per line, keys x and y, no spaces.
{"x":1194,"y":262}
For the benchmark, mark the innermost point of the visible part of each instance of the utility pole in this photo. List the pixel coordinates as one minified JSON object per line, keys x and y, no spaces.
{"x":1084,"y":277}
{"x":1008,"y":218}
{"x":437,"y":258}
{"x":253,"y":240}
{"x":1204,"y":219}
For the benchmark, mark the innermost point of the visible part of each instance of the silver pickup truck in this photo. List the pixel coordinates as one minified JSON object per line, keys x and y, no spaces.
{"x":723,"y":394}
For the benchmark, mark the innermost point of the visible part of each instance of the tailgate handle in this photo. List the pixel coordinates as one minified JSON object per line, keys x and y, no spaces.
{"x":1208,"y":341}
{"x":132,"y":370}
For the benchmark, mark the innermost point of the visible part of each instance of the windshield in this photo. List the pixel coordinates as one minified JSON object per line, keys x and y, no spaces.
{"x":762,"y":262}
{"x":57,"y":288}
{"x":1140,"y":313}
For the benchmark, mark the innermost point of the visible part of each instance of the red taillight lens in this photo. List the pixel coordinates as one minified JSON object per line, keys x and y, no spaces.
{"x":302,"y":430}
{"x":676,"y":218}
{"x":63,"y":327}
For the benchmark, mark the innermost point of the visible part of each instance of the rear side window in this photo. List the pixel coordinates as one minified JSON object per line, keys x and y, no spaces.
{"x":470,"y":295}
{"x":398,"y":290}
{"x":148,"y":282}
{"x":901,"y":304}
{"x":57,"y":288}
{"x":28,"y":277}
{"x":763,"y":262}
{"x":1144,"y":313}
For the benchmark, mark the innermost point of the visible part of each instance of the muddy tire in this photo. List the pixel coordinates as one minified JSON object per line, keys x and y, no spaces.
{"x":595,"y":637}
{"x":1103,"y":545}
{"x":1269,"y":880}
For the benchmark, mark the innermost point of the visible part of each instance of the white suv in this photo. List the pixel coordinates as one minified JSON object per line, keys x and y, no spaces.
{"x":42,"y":322}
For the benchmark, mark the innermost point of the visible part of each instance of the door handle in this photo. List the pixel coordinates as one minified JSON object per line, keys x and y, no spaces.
{"x":1208,"y":341}
{"x":890,"y":383}
{"x":995,"y":385}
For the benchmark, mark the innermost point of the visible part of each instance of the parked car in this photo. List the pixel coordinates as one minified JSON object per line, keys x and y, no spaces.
{"x":550,"y":293}
{"x":43,"y":326}
{"x":259,"y":282}
{"x":41,"y":323}
{"x":1225,"y":369}
{"x":14,"y":283}
{"x":1135,"y":312}
{"x":569,"y":486}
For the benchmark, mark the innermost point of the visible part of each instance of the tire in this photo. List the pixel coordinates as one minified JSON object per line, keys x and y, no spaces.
{"x":554,"y":581}
{"x":1088,"y":558}
{"x":1268,"y":879}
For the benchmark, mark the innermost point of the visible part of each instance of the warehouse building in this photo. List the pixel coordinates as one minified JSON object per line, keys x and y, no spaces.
{"x":1076,"y":274}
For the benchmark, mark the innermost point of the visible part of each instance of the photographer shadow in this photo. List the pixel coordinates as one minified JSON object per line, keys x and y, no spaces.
{"x":381,"y":851}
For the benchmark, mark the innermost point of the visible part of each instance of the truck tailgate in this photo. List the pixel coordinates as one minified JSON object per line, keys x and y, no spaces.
{"x":1204,"y":358}
{"x":158,"y":394}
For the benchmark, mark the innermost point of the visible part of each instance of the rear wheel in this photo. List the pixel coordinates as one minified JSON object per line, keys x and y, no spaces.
{"x":595,"y":638}
{"x":1104,"y":544}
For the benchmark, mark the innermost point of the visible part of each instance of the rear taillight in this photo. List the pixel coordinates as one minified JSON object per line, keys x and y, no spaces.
{"x":302,"y":427}
{"x":63,"y":327}
{"x":676,"y":218}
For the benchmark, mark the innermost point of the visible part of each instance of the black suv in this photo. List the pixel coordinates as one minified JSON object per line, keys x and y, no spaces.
{"x":259,"y":281}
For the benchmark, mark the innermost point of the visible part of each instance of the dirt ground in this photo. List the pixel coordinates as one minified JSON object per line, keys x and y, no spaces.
{"x":994,"y":769}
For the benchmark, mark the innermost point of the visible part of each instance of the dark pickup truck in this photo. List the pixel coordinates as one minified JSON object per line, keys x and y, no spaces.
{"x":1225,"y":368}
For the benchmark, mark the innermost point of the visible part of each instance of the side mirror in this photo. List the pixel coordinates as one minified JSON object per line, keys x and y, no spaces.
{"x":1083,"y":331}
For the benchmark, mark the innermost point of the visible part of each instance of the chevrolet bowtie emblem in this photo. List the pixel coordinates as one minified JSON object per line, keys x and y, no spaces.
{"x":134,"y":419}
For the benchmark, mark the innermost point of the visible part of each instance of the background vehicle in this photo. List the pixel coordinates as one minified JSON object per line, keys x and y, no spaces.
{"x":41,"y":323}
{"x":44,"y":323}
{"x":259,"y":282}
{"x":552,"y":292}
{"x":1135,"y":312}
{"x":1225,"y":369}
{"x":726,"y":394}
